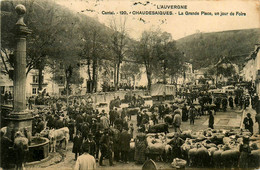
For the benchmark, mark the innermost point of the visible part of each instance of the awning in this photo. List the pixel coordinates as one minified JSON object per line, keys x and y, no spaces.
{"x":162,"y":89}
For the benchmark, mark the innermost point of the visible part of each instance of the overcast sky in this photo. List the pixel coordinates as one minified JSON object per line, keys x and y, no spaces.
{"x":179,"y":26}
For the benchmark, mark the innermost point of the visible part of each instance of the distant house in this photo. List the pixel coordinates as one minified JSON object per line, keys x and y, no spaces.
{"x":6,"y":84}
{"x":32,"y":81}
{"x":251,"y":69}
{"x":187,"y":76}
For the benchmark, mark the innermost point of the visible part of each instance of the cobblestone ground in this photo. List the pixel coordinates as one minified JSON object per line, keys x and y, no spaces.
{"x":223,"y":120}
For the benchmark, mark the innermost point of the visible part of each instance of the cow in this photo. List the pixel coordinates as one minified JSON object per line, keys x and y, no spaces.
{"x":162,"y":127}
{"x":58,"y":135}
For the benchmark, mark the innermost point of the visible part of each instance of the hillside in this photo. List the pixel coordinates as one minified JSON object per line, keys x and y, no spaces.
{"x":203,"y":49}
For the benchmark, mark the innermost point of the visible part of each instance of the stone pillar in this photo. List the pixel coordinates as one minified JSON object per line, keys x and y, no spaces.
{"x":20,"y":118}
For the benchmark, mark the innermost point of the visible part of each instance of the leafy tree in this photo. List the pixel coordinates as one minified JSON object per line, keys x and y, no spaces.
{"x":94,"y":49}
{"x":65,"y":61}
{"x":45,"y":21}
{"x":131,"y":71}
{"x":119,"y":41}
{"x":158,"y":52}
{"x":144,"y":52}
{"x":175,"y":62}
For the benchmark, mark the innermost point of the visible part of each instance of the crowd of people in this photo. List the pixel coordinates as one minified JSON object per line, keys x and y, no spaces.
{"x":99,"y":135}
{"x":7,"y":97}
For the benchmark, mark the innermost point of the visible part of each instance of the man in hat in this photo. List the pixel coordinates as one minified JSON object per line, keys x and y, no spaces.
{"x":211,"y":120}
{"x":104,"y":120}
{"x":118,"y":122}
{"x":105,"y":148}
{"x":91,"y":144}
{"x":176,"y":144}
{"x":248,"y":122}
{"x":177,"y":121}
{"x":112,"y":116}
{"x":96,"y":131}
{"x":245,"y":151}
{"x":192,"y":114}
{"x":85,"y":161}
{"x":77,"y":142}
{"x":184,"y":113}
{"x":125,"y":145}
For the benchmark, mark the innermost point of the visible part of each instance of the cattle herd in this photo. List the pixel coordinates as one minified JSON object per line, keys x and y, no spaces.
{"x":111,"y":134}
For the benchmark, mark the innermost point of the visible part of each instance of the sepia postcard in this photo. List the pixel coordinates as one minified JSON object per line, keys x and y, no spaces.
{"x":127,"y":84}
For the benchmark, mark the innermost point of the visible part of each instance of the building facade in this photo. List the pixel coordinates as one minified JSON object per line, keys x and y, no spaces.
{"x":251,"y":70}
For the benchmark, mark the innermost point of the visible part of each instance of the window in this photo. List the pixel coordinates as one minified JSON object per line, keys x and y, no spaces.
{"x":35,"y":79}
{"x":34,"y":90}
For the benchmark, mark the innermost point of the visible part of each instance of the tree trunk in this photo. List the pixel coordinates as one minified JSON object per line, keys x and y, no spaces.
{"x":176,"y":81}
{"x":134,"y":81}
{"x":117,"y":76}
{"x":94,"y":75}
{"x":149,"y":80}
{"x":89,"y":74}
{"x":164,"y":72}
{"x":96,"y":79}
{"x":40,"y":78}
{"x":67,"y":85}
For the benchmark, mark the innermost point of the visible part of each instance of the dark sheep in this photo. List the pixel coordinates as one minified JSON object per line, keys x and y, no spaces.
{"x":162,"y":127}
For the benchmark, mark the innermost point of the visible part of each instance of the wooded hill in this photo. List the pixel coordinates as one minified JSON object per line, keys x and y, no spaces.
{"x":204,"y":49}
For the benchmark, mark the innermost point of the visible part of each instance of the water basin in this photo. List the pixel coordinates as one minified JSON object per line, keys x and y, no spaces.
{"x":38,"y":149}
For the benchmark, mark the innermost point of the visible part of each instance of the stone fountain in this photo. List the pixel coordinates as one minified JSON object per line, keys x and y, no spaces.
{"x":20,"y":118}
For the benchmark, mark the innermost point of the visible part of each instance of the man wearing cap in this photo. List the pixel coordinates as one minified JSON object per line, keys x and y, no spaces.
{"x":85,"y":161}
{"x":248,"y":122}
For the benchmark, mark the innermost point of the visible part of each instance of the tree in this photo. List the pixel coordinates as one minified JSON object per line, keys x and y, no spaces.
{"x":158,"y":52}
{"x":144,"y":53}
{"x":175,"y":61}
{"x":162,"y":51}
{"x":131,"y":71}
{"x":119,"y":42}
{"x":65,"y":61}
{"x":93,"y":49}
{"x":45,"y":20}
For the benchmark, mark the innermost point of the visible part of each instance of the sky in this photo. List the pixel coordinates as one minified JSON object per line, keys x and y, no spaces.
{"x":178,"y":25}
